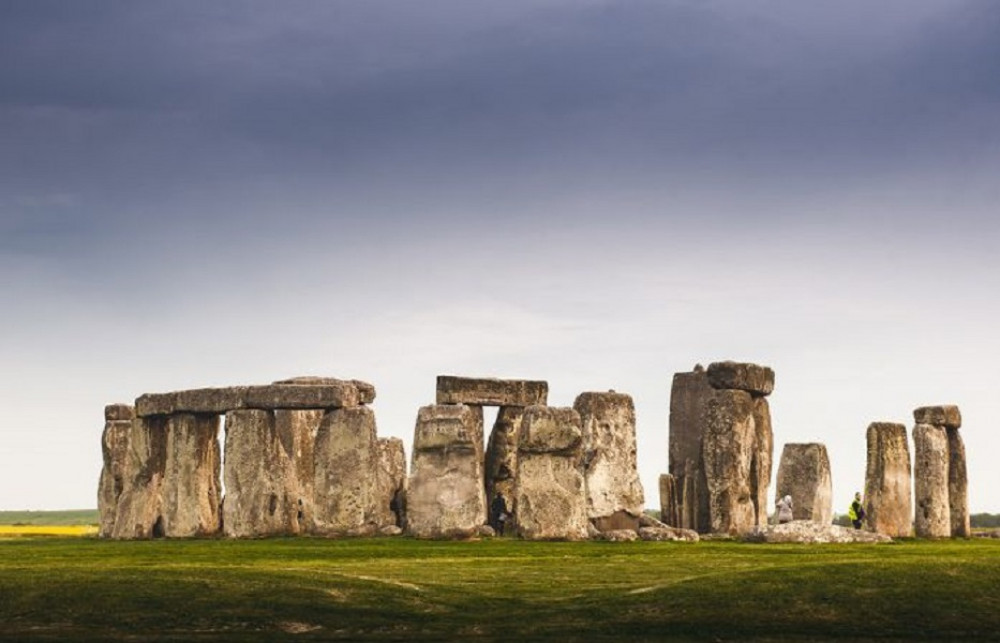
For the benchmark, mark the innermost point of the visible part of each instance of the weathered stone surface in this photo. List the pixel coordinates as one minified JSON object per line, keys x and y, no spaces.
{"x":345,"y":485}
{"x":620,"y":535}
{"x":203,"y":400}
{"x":490,"y":391}
{"x":337,"y":394}
{"x":366,"y":391}
{"x":930,"y":481}
{"x":761,"y":459}
{"x":501,"y":459}
{"x":946,"y":415}
{"x":804,"y":474}
{"x":139,"y":513}
{"x":390,"y":496}
{"x":888,"y":495}
{"x":261,"y":497}
{"x":688,"y":395}
{"x":119,"y":413}
{"x":958,"y":486}
{"x":808,"y":531}
{"x":611,"y":475}
{"x":751,"y":378}
{"x":550,"y":499}
{"x":297,"y":431}
{"x":390,"y":530}
{"x":727,"y":451}
{"x":666,"y":533}
{"x":191,"y":493}
{"x":116,"y":444}
{"x":670,"y":511}
{"x":445,"y":495}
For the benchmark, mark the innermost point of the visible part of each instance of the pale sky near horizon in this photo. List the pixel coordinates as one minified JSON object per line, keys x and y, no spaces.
{"x":598,"y":194}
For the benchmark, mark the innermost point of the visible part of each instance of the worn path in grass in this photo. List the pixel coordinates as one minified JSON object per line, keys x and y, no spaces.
{"x":400,"y":589}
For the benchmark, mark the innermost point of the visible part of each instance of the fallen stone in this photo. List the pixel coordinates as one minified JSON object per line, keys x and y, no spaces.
{"x":611,"y":474}
{"x":390,"y":494}
{"x":485,"y":531}
{"x":958,"y":486}
{"x":804,"y":474}
{"x":930,"y":482}
{"x":550,"y":500}
{"x":888,"y":494}
{"x":727,"y":452}
{"x":490,"y":391}
{"x":688,"y":395}
{"x":139,"y":511}
{"x":666,"y":533}
{"x":619,"y":536}
{"x":808,"y":531}
{"x":116,"y":444}
{"x":445,"y":494}
{"x":946,"y":415}
{"x":345,"y":485}
{"x":390,"y":530}
{"x":191,"y":492}
{"x":752,"y":378}
{"x":670,"y":509}
{"x":761,"y":459}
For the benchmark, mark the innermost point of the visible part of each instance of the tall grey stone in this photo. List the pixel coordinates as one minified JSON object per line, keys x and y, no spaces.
{"x":140,"y":505}
{"x":501,"y":457}
{"x":670,"y":511}
{"x":727,"y":453}
{"x":115,"y":474}
{"x":550,"y":499}
{"x":930,"y":481}
{"x":888,"y":492}
{"x":345,"y":484}
{"x":445,"y":495}
{"x":958,"y":486}
{"x":297,"y":431}
{"x":191,"y":493}
{"x":615,"y":497}
{"x":390,"y":496}
{"x":761,"y":459}
{"x":804,"y":474}
{"x":688,"y":395}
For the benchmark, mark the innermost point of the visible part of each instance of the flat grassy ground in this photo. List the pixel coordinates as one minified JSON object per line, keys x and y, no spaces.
{"x":400,"y":589}
{"x":69,"y":517}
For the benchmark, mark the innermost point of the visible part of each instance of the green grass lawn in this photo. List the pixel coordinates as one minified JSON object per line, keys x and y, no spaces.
{"x":399,"y":589}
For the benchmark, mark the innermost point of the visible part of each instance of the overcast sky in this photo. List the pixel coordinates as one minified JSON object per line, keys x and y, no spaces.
{"x":599,"y":194}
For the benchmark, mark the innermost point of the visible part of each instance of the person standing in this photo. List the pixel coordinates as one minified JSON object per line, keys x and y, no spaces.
{"x":857,"y":511}
{"x":785,"y":510}
{"x":498,"y":510}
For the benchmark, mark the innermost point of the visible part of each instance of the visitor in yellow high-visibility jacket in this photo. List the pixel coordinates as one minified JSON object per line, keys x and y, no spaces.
{"x":857,"y":511}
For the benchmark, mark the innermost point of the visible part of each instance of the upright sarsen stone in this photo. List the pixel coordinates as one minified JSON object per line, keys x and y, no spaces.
{"x":296,"y":430}
{"x":761,"y":459}
{"x":140,"y":504}
{"x":345,"y":484}
{"x":888,"y":492}
{"x":191,"y":493}
{"x":804,"y":474}
{"x":958,"y":486}
{"x":727,"y":453}
{"x":670,"y":513}
{"x":116,"y":444}
{"x":501,"y":458}
{"x":688,"y":395}
{"x":390,"y":496}
{"x":930,"y":481}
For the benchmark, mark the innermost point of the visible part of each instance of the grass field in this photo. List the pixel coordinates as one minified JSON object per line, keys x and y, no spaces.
{"x":400,"y":589}
{"x":69,"y":517}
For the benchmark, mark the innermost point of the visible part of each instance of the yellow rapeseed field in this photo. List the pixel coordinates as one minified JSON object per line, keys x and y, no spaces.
{"x":7,"y":531}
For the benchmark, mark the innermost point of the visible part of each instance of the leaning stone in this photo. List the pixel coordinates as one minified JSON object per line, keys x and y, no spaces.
{"x":665,"y":533}
{"x":958,"y":486}
{"x":807,"y":531}
{"x":490,"y":391}
{"x":611,"y":474}
{"x":688,"y":395}
{"x":550,"y":500}
{"x":946,"y":415}
{"x":727,"y":454}
{"x":751,"y":378}
{"x":445,"y":495}
{"x":930,"y":481}
{"x":119,"y":413}
{"x":669,"y":507}
{"x":888,"y":495}
{"x":620,"y":535}
{"x":191,"y":493}
{"x":804,"y":474}
{"x":116,"y":444}
{"x":345,"y":485}
{"x":366,"y":391}
{"x":139,"y":512}
{"x":390,"y":494}
{"x":761,"y":459}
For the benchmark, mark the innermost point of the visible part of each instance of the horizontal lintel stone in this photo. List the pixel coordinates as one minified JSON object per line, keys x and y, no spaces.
{"x":946,"y":415}
{"x":222,"y":400}
{"x":118,"y":412}
{"x":491,"y":391}
{"x":752,"y":378}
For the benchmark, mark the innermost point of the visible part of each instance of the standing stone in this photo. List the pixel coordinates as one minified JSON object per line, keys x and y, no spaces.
{"x":550,"y":499}
{"x":670,"y":511}
{"x":761,"y":459}
{"x":445,"y":495}
{"x":297,"y":431}
{"x":256,"y":472}
{"x":115,"y":446}
{"x":804,"y":474}
{"x":390,"y":506}
{"x":930,"y":475}
{"x":614,"y":493}
{"x":688,"y":395}
{"x":191,"y":494}
{"x":958,"y":486}
{"x":888,"y":495}
{"x":140,"y":503}
{"x":501,"y":458}
{"x":727,"y":452}
{"x":345,"y":482}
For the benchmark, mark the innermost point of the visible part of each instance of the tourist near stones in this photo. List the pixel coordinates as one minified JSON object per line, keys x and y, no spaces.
{"x":302,"y":456}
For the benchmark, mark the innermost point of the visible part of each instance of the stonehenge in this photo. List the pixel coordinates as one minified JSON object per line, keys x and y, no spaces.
{"x":888,"y":503}
{"x":804,"y":474}
{"x":940,"y":478}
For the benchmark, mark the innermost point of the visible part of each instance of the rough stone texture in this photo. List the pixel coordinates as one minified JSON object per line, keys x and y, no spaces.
{"x":619,"y":535}
{"x":807,"y":531}
{"x":501,"y":458}
{"x":611,"y":476}
{"x":666,"y":533}
{"x":345,"y":483}
{"x":550,"y":499}
{"x":340,"y":394}
{"x":259,"y":476}
{"x":119,"y":413}
{"x":751,"y":378}
{"x":140,"y":503}
{"x":490,"y":392}
{"x":670,"y":511}
{"x":116,"y":443}
{"x":191,"y":493}
{"x":888,"y":496}
{"x":296,"y":431}
{"x":390,"y":496}
{"x":688,"y":395}
{"x":930,"y":481}
{"x":761,"y":459}
{"x":445,"y":495}
{"x":804,"y":474}
{"x":946,"y":415}
{"x":366,"y":391}
{"x":958,"y":486}
{"x":727,"y":453}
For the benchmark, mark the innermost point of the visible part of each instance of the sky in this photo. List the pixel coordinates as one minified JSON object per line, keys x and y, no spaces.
{"x":599,"y":194}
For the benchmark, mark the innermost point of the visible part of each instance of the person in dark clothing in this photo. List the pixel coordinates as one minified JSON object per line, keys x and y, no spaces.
{"x":498,"y":512}
{"x":857,"y":511}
